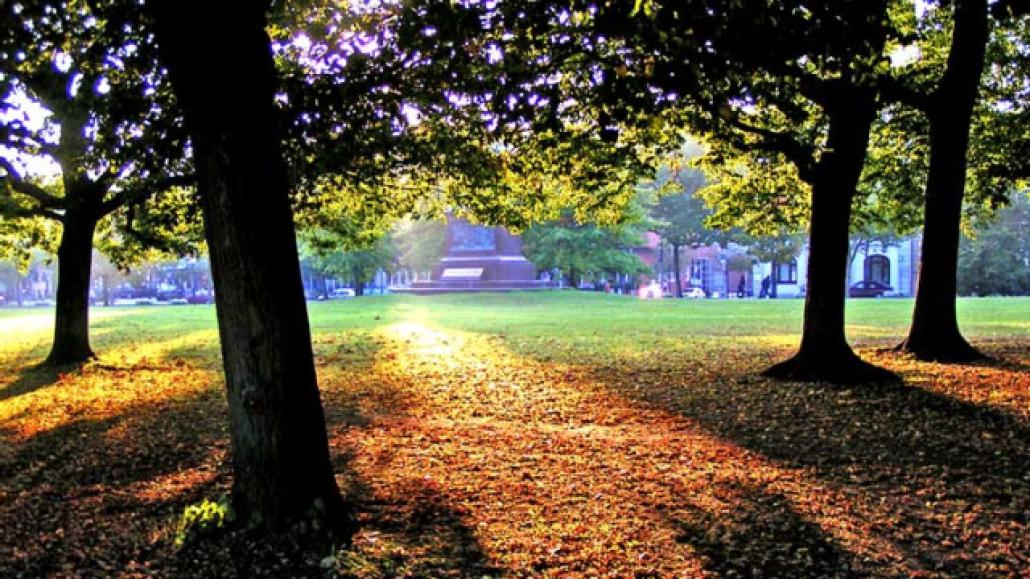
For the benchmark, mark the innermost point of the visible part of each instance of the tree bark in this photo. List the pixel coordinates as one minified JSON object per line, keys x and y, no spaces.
{"x":824,"y":354}
{"x":359,"y":285}
{"x":220,"y":64}
{"x":679,"y":275}
{"x":934,"y":333}
{"x":71,"y":315}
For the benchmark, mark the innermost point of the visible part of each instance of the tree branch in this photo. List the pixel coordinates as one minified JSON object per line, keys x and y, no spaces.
{"x":12,"y":210}
{"x":37,"y":193}
{"x":893,"y":90}
{"x":797,"y":152}
{"x":144,"y":191}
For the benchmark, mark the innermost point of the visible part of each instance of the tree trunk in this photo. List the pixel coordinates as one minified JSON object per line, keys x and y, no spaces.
{"x":934,"y":334}
{"x":106,"y":280}
{"x":774,"y":279}
{"x":679,"y":275}
{"x":71,"y":316}
{"x":359,"y":286}
{"x":824,"y":354}
{"x":224,"y":78}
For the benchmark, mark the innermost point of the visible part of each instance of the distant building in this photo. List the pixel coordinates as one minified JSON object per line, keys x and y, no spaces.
{"x":895,"y":265}
{"x":710,"y":268}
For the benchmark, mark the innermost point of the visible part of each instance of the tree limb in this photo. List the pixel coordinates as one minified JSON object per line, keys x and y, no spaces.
{"x":798,"y":153}
{"x":893,"y":90}
{"x":144,"y":191}
{"x":37,"y":193}
{"x":12,"y":210}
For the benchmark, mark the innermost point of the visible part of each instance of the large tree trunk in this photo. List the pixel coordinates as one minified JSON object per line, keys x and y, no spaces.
{"x":824,"y":354}
{"x":71,"y":316}
{"x":934,"y":334}
{"x":679,"y":275}
{"x":220,"y":63}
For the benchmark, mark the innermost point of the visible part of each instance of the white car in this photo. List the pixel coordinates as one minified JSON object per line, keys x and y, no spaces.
{"x":694,"y":293}
{"x":343,"y":292}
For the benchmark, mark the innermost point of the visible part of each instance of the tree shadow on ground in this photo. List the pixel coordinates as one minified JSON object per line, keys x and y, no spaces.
{"x":93,"y":493}
{"x":394,"y":540}
{"x":412,"y":532}
{"x":944,"y":480}
{"x":416,"y":533}
{"x":762,"y":536}
{"x":32,"y":379}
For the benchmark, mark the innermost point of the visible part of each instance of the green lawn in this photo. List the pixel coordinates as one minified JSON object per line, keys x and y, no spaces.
{"x":562,"y":325}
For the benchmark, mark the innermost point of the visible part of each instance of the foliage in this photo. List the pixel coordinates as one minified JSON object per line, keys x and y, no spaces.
{"x":419,"y":243}
{"x":997,"y":260}
{"x":779,"y":248}
{"x":386,"y":117}
{"x":21,"y":239}
{"x":582,"y":251}
{"x":202,"y":520}
{"x":680,"y":216}
{"x":895,"y":176}
{"x":323,"y":253}
{"x":82,"y":91}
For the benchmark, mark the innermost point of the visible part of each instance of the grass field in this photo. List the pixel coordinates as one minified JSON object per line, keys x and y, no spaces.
{"x":527,"y":434}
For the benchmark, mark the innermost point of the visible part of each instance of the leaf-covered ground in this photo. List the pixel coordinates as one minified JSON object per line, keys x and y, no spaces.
{"x":560,"y":435}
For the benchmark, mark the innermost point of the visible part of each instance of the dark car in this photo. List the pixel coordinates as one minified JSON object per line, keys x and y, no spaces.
{"x":869,"y":289}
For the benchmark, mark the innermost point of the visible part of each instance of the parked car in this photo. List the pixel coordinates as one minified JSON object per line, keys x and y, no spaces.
{"x":869,"y":289}
{"x":693,"y":293}
{"x":343,"y":292}
{"x":201,"y":297}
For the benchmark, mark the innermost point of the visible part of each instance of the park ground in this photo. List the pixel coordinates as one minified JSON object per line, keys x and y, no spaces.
{"x":560,"y":434}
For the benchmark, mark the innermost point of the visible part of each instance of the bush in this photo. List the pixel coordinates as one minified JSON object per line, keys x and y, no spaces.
{"x":202,"y":520}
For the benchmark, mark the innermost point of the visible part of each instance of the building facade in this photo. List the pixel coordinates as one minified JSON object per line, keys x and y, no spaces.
{"x":716,"y":269}
{"x":893,"y":264}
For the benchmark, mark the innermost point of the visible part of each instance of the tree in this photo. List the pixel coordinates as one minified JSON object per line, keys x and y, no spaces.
{"x":357,"y":264}
{"x":109,"y":127}
{"x":680,"y":217}
{"x":579,"y":249}
{"x":948,"y":99}
{"x":996,"y":261}
{"x":419,"y":244}
{"x":784,"y":82}
{"x":225,"y":82}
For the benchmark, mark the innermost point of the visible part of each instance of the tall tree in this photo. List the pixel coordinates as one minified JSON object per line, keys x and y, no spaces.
{"x":948,"y":99}
{"x":582,"y":249}
{"x":82,"y":89}
{"x":225,"y":81}
{"x":419,"y":243}
{"x":333,"y":257}
{"x":680,"y":215}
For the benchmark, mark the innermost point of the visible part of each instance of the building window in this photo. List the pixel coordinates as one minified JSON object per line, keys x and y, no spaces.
{"x":699,"y":272}
{"x":878,"y":268}
{"x":787,"y":272}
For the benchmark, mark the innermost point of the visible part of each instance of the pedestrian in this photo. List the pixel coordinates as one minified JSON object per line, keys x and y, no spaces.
{"x":765,"y":288}
{"x":740,"y":286}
